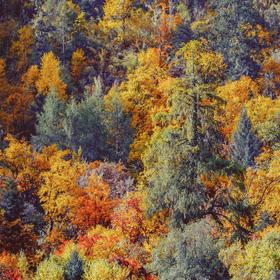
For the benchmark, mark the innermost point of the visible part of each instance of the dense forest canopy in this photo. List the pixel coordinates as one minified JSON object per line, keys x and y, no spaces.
{"x":139,"y":139}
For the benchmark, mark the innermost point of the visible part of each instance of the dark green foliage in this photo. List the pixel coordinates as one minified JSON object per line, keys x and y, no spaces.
{"x":120,"y":133}
{"x":245,"y":144}
{"x":92,"y":8}
{"x":84,"y":126}
{"x":226,"y":35}
{"x":177,"y":156}
{"x":49,"y":127}
{"x":10,"y":201}
{"x":191,"y":254}
{"x":173,"y":182}
{"x":73,"y":269}
{"x":100,"y":133}
{"x":3,"y":143}
{"x":54,"y":25}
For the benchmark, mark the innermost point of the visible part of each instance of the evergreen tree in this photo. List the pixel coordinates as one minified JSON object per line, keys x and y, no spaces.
{"x":10,"y":201}
{"x":245,"y":144}
{"x":84,"y":125}
{"x":119,"y":130}
{"x":54,"y":26}
{"x":189,"y":253}
{"x":3,"y":143}
{"x":92,"y":8}
{"x":178,"y":154}
{"x":49,"y":127}
{"x":73,"y":269}
{"x":227,"y":35}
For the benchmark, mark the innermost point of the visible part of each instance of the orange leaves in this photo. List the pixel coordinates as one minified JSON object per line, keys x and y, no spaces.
{"x":78,"y":64}
{"x":201,"y":60}
{"x":8,"y":260}
{"x":93,"y":204}
{"x":269,"y":79}
{"x":30,"y":77}
{"x":167,"y":23}
{"x":101,"y":243}
{"x":215,"y":183}
{"x":235,"y":94}
{"x":129,"y":219}
{"x":141,"y":95}
{"x":263,"y":184}
{"x":15,"y":106}
{"x":50,"y":76}
{"x":22,"y":48}
{"x":2,"y":69}
{"x":57,"y":193}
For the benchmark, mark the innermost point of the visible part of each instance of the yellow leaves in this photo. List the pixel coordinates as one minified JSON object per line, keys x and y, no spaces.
{"x":142,"y":95}
{"x":150,"y":58}
{"x":22,"y":48}
{"x":202,"y":60}
{"x":17,"y":157}
{"x":101,"y":242}
{"x":50,"y":76}
{"x":49,"y":269}
{"x":2,"y":70}
{"x":114,"y":13}
{"x":235,"y":94}
{"x":258,"y":31}
{"x":31,"y":76}
{"x":261,"y":109}
{"x":263,"y":184}
{"x":101,"y":269}
{"x":57,"y":193}
{"x":258,"y":259}
{"x":212,"y":64}
{"x":78,"y":63}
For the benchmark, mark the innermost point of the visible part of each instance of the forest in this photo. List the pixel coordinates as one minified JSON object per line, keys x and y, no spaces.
{"x":139,"y":139}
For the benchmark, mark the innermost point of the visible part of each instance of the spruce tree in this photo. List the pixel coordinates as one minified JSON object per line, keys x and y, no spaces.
{"x":228,"y":36}
{"x":189,"y":253}
{"x":84,"y":125}
{"x":49,"y":127}
{"x":119,"y":136}
{"x":73,"y":269}
{"x":10,"y":201}
{"x":178,"y":154}
{"x":245,"y":145}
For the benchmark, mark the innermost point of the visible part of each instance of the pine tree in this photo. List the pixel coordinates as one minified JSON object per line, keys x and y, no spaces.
{"x":10,"y":201}
{"x":227,"y":35}
{"x":49,"y":127}
{"x":73,"y":269}
{"x":179,"y":152}
{"x":54,"y":25}
{"x":119,"y":130}
{"x":84,"y":125}
{"x":189,"y":253}
{"x":245,"y":144}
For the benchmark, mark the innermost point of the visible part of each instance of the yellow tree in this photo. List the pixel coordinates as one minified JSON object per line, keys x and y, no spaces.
{"x":263,"y":184}
{"x":78,"y":64}
{"x":58,"y":192}
{"x":93,"y":204}
{"x":235,"y":94}
{"x":269,"y":78}
{"x":16,"y":100}
{"x":143,"y":97}
{"x":21,"y":49}
{"x":50,"y":76}
{"x":115,"y":12}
